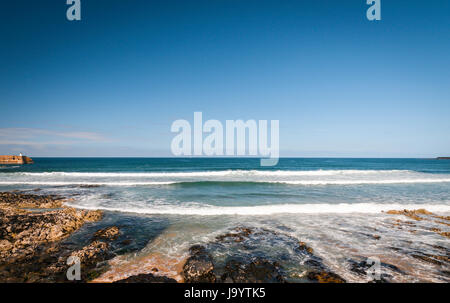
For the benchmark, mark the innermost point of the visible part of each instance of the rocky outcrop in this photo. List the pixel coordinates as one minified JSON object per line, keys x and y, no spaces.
{"x":30,"y":241}
{"x":18,"y":200}
{"x":108,"y":233}
{"x":324,"y":277}
{"x":250,"y":265}
{"x":199,"y":266}
{"x":21,"y":231}
{"x":413,"y":214}
{"x":257,"y":271}
{"x":421,"y":215}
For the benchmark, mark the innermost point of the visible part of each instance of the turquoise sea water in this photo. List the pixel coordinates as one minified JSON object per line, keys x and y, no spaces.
{"x":329,"y":203}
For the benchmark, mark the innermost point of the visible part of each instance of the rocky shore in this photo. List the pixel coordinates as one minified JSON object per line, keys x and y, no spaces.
{"x":251,"y":266}
{"x":33,"y":230}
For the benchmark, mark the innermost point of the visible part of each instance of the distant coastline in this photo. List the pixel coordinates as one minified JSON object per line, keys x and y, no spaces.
{"x":443,"y":158}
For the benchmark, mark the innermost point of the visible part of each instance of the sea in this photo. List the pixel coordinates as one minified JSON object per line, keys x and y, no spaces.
{"x":337,"y":206}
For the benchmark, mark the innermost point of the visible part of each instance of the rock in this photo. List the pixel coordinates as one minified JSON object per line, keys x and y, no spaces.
{"x":324,"y":277}
{"x":249,"y":264}
{"x":89,"y":186}
{"x":410,"y":213}
{"x":433,"y":259}
{"x":146,"y":278}
{"x":361,"y":268}
{"x":18,"y":200}
{"x":92,"y":215}
{"x":109,"y":233}
{"x":257,"y":271}
{"x":30,"y":229}
{"x":303,"y":247}
{"x":30,"y":249}
{"x":199,"y":266}
{"x":92,"y":253}
{"x":238,"y":236}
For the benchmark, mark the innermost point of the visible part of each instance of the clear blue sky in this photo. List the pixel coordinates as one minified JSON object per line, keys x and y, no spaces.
{"x":112,"y":83}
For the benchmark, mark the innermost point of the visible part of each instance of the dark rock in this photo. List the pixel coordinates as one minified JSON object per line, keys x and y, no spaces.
{"x":199,"y":266}
{"x":257,"y":271}
{"x":126,"y":242}
{"x":433,"y":259}
{"x":361,"y":268}
{"x":89,"y":186}
{"x":146,"y":278}
{"x":238,"y":236}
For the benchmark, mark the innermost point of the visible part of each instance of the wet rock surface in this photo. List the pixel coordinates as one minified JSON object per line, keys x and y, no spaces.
{"x":19,"y":200}
{"x":108,"y":233}
{"x":199,"y":266}
{"x":30,"y":242}
{"x":146,"y":278}
{"x":251,"y":262}
{"x":38,"y":235}
{"x":324,"y":277}
{"x":257,"y":271}
{"x":21,"y":231}
{"x":365,"y":269}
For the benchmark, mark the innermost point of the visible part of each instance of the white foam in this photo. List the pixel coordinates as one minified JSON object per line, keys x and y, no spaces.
{"x":56,"y":183}
{"x":355,"y":182}
{"x":222,"y":173}
{"x":288,"y":182}
{"x":264,"y":210}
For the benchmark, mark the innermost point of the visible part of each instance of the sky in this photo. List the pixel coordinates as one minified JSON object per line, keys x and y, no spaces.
{"x":112,"y":83}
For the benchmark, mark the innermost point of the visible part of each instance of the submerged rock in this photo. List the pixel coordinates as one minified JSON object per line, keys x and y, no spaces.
{"x":199,"y":266}
{"x":108,"y":233}
{"x":252,"y":259}
{"x":324,"y":277}
{"x":146,"y":278}
{"x":410,"y":213}
{"x":362,"y":269}
{"x":238,"y":235}
{"x":433,"y":259}
{"x":302,"y":246}
{"x":257,"y":271}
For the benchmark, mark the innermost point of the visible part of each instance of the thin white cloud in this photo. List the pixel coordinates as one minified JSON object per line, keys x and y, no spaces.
{"x":42,"y":137}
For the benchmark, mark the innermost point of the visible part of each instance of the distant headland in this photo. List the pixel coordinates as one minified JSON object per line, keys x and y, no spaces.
{"x":443,"y":158}
{"x":15,"y":160}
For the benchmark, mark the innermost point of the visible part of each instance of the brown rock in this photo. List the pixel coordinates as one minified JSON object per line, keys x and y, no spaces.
{"x":324,"y":277}
{"x":109,"y":233}
{"x":303,"y":247}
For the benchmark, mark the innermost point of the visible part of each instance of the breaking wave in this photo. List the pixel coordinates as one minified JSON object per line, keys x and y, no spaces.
{"x":221,"y":173}
{"x":262,"y":210}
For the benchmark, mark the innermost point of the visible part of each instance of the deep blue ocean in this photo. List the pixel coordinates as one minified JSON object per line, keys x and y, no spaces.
{"x":330,"y":203}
